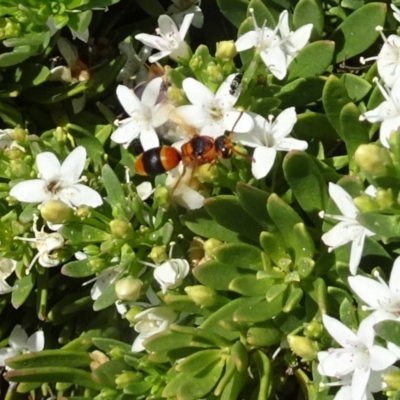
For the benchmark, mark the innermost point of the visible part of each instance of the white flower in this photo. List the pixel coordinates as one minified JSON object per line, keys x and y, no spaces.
{"x":144,"y":115}
{"x":19,"y":343}
{"x":7,"y":141}
{"x":170,"y":41}
{"x":45,"y":243}
{"x":396,"y":12}
{"x":183,"y":188}
{"x":144,"y":190}
{"x":268,"y":137}
{"x":388,"y":59}
{"x":388,"y":112}
{"x":171,"y":273}
{"x":276,"y":51}
{"x":358,"y":355}
{"x":348,"y":229}
{"x":150,"y":322}
{"x":7,"y":267}
{"x":382,"y":298}
{"x":58,"y":181}
{"x":180,"y":8}
{"x":213,"y":114}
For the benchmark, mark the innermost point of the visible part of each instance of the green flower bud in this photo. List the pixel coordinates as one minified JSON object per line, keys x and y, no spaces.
{"x":55,"y":211}
{"x":128,"y":288}
{"x":61,"y":135}
{"x":119,"y":228}
{"x":97,"y":264}
{"x":365,"y":203}
{"x":176,"y":96}
{"x":83,"y":212}
{"x":313,"y":330}
{"x":19,"y":168}
{"x":158,"y":254}
{"x":127,"y":378}
{"x":91,"y":250}
{"x":131,"y":314}
{"x":196,"y":62}
{"x":13,"y":154}
{"x":384,"y":198}
{"x":211,"y":245}
{"x":214,"y":73}
{"x":19,"y":135}
{"x":207,"y":173}
{"x":226,"y":50}
{"x":303,"y":347}
{"x":372,"y":159}
{"x":202,"y":295}
{"x":161,"y":195}
{"x":392,"y":379}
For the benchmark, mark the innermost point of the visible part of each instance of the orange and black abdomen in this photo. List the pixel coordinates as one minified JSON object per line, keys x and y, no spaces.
{"x":157,"y":161}
{"x":200,"y":149}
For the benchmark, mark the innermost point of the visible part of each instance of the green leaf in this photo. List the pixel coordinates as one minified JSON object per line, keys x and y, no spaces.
{"x":264,"y":334}
{"x":334,"y":98}
{"x":227,"y":211}
{"x":304,"y":63}
{"x":357,"y":87}
{"x":273,"y":245}
{"x":262,"y":311}
{"x":55,"y":374}
{"x":50,"y":358}
{"x":10,"y":114}
{"x":311,"y":126}
{"x":106,"y":299}
{"x":250,"y":285}
{"x":106,"y":372}
{"x":196,"y":362}
{"x":307,"y":183}
{"x":309,"y":12}
{"x":301,"y":92}
{"x":234,"y":12}
{"x":265,"y":374}
{"x":239,"y":255}
{"x":107,"y":344}
{"x":23,"y":290}
{"x":166,"y":341}
{"x":357,"y":32}
{"x":77,"y":269}
{"x":80,"y":21}
{"x":28,"y":74}
{"x":16,"y":57}
{"x":387,"y":226}
{"x":389,"y":330}
{"x":262,"y":14}
{"x":79,"y":233}
{"x":201,"y":223}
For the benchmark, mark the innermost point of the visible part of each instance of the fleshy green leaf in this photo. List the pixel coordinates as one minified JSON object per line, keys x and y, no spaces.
{"x":309,"y":12}
{"x":234,"y":12}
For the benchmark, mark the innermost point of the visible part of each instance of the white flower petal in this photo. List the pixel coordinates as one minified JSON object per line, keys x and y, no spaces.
{"x":275,"y":59}
{"x":359,"y":383}
{"x":151,"y":92}
{"x":238,"y":121}
{"x":264,"y":158}
{"x":32,"y":191}
{"x":356,"y":252}
{"x":283,"y":123}
{"x":343,"y":200}
{"x":36,"y":341}
{"x":18,"y":338}
{"x":48,"y":165}
{"x":129,"y":101}
{"x":387,"y":127}
{"x":5,"y":287}
{"x":246,"y":41}
{"x":149,"y":139}
{"x":185,"y":25}
{"x":394,"y":281}
{"x":73,"y":165}
{"x":155,"y":42}
{"x":144,"y":190}
{"x":6,"y":353}
{"x":197,"y":93}
{"x":340,"y":332}
{"x":161,"y":113}
{"x":339,"y":235}
{"x":137,"y":345}
{"x":167,"y":26}
{"x":125,"y":133}
{"x":381,"y":358}
{"x":335,"y":363}
{"x":194,"y":115}
{"x":288,"y":144}
{"x":79,"y":195}
{"x":188,"y":197}
{"x":370,"y":291}
{"x":158,"y":56}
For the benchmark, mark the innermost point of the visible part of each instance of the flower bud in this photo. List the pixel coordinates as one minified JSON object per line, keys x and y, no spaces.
{"x":61,"y":135}
{"x":161,"y":195}
{"x":98,"y":358}
{"x":313,"y":330}
{"x":19,"y":135}
{"x":364,"y":203}
{"x":131,"y":314}
{"x":128,"y":288}
{"x":226,"y":50}
{"x":19,"y":168}
{"x":176,"y":96}
{"x":83,"y":212}
{"x":372,"y":159}
{"x":211,"y":246}
{"x":96,"y":264}
{"x":384,"y":198}
{"x":91,"y":250}
{"x":214,"y":73}
{"x":201,"y":295}
{"x":55,"y":211}
{"x":119,"y":228}
{"x":13,"y":153}
{"x":392,"y":379}
{"x":127,"y":378}
{"x":158,"y":254}
{"x":207,"y":173}
{"x":303,"y":347}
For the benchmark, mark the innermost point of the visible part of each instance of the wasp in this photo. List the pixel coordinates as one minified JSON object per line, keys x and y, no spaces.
{"x":235,"y":84}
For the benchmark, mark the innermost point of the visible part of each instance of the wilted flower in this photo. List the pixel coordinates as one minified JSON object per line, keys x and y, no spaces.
{"x":358,"y":355}
{"x":213,"y":114}
{"x":388,"y":112}
{"x":144,"y":115}
{"x":7,"y":267}
{"x":180,"y":8}
{"x":348,"y":229}
{"x":45,"y":243}
{"x":19,"y":343}
{"x":58,"y":181}
{"x":268,"y":137}
{"x":150,"y":322}
{"x":170,"y":41}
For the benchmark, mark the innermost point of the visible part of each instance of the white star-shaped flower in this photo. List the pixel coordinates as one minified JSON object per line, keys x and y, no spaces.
{"x":58,"y":181}
{"x":388,"y":112}
{"x":150,"y":322}
{"x":144,"y":115}
{"x":7,"y":267}
{"x":171,"y":273}
{"x":276,"y":51}
{"x":348,"y":229}
{"x":388,"y":59}
{"x":213,"y":114}
{"x":382,"y":298}
{"x":19,"y":343}
{"x":358,"y":355}
{"x":45,"y":243}
{"x":268,"y":137}
{"x":171,"y":41}
{"x":180,"y":8}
